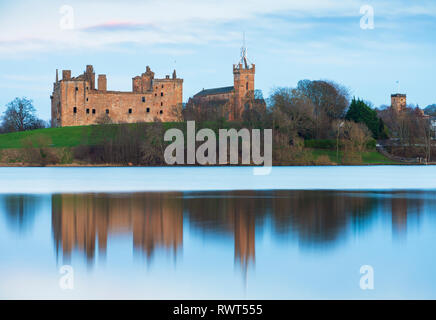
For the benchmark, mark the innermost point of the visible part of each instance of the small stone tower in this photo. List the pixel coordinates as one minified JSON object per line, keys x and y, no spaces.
{"x":243,"y":82}
{"x":398,"y":101}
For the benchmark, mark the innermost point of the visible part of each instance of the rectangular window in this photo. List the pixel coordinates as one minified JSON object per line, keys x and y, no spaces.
{"x":107,"y":111}
{"x":93,"y":111}
{"x":143,"y":99}
{"x":148,"y":109}
{"x":161,"y":112}
{"x":130,"y":110}
{"x":75,"y":110}
{"x":87,"y":111}
{"x":161,"y":94}
{"x":77,"y":89}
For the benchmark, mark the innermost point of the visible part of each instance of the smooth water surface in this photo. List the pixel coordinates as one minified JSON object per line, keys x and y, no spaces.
{"x":252,"y":244}
{"x":139,"y":179}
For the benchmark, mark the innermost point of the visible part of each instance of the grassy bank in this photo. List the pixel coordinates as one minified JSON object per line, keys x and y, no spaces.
{"x":60,"y":137}
{"x":61,"y":142}
{"x":65,"y":136}
{"x":369,"y":157}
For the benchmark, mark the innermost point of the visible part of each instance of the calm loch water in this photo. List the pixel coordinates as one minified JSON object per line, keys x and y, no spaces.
{"x":255,"y":244}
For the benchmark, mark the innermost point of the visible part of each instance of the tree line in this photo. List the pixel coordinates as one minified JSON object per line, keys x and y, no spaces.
{"x":314,"y":114}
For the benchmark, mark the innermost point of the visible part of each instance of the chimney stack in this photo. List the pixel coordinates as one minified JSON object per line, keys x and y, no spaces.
{"x":66,"y":74}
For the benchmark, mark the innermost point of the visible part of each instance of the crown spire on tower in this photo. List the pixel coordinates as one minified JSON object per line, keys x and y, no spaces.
{"x":243,"y":61}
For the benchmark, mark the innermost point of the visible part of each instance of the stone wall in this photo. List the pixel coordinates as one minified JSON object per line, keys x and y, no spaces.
{"x":243,"y":79}
{"x":398,"y":101}
{"x":75,"y":101}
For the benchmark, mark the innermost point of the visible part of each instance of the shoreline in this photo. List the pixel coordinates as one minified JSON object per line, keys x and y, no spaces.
{"x":109,"y":165}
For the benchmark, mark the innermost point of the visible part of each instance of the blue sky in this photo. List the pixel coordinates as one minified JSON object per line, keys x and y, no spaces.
{"x":287,"y":40}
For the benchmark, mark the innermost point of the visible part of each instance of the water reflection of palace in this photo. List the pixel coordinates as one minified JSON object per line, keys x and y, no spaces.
{"x":80,"y":221}
{"x":316,"y":219}
{"x":228,"y":213}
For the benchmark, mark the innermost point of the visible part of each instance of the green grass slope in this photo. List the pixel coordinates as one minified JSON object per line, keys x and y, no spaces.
{"x":64,"y":136}
{"x":89,"y":135}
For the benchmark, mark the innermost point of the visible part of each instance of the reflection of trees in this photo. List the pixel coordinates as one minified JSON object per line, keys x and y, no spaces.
{"x":79,"y":220}
{"x":315,"y":218}
{"x":402,"y":206}
{"x":21,"y":209}
{"x":319,"y":217}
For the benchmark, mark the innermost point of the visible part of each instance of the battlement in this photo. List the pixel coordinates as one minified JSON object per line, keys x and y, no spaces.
{"x":238,"y":68}
{"x":398,"y":101}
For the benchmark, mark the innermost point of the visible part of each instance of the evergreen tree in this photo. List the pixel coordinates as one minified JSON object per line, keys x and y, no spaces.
{"x":360,"y":112}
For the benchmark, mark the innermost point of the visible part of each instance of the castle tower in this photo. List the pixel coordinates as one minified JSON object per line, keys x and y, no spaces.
{"x":398,"y":101}
{"x":90,"y":76}
{"x":243,"y":82}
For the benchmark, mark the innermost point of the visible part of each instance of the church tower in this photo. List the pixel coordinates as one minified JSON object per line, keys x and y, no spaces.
{"x":398,"y":101}
{"x":243,"y":82}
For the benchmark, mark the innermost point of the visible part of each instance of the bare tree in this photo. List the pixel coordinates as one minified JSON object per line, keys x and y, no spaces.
{"x":202,"y":109}
{"x":426,"y":136}
{"x":255,"y":113}
{"x":153,"y":146}
{"x":354,"y":139}
{"x":412,"y":131}
{"x":292,"y":112}
{"x":330,"y":101}
{"x":176,"y":112}
{"x":20,"y":116}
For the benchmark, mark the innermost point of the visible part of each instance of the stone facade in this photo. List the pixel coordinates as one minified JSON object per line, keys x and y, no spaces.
{"x":76,"y":100}
{"x":243,"y":83}
{"x":398,"y":101}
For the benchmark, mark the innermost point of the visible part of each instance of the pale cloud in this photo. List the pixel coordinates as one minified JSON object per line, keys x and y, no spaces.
{"x":117,"y":26}
{"x":101,"y":24}
{"x":108,"y":24}
{"x":312,"y":38}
